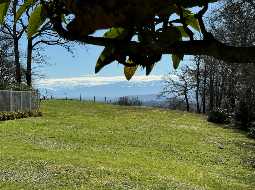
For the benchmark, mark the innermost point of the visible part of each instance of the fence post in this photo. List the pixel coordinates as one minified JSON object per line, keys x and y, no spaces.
{"x":21,"y":100}
{"x":30,"y":100}
{"x":11,"y":100}
{"x":38,"y":102}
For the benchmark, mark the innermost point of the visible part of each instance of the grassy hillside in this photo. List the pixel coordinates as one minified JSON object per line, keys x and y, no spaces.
{"x":95,"y":146}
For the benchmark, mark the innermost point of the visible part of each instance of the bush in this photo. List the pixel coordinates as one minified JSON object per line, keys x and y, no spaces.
{"x":4,"y":116}
{"x":245,"y":114}
{"x":218,"y":116}
{"x":251,"y":129}
{"x":129,"y":101}
{"x":251,"y":132}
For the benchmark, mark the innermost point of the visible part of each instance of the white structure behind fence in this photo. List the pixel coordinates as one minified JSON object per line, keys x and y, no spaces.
{"x":12,"y":101}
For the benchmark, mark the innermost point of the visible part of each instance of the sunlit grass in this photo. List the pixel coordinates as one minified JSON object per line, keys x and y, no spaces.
{"x":95,"y":146}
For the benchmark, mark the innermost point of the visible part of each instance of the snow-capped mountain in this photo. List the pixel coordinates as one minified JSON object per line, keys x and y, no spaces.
{"x":111,"y":87}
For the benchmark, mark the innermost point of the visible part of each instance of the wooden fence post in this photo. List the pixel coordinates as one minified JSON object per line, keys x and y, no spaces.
{"x":21,"y":101}
{"x":11,"y":101}
{"x":30,"y":100}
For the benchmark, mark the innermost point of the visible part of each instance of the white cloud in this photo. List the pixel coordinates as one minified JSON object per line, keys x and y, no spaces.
{"x":95,"y":80}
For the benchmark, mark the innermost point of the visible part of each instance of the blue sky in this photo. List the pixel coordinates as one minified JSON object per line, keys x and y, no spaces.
{"x":64,"y":65}
{"x":74,"y":67}
{"x":73,"y":75}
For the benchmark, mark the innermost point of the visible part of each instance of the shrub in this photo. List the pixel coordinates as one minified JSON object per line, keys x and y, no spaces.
{"x":251,"y":132}
{"x":4,"y":116}
{"x":251,"y":129}
{"x":129,"y":101}
{"x":218,"y":116}
{"x":245,"y":114}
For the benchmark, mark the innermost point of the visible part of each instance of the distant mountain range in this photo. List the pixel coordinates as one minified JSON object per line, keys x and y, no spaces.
{"x":146,"y":88}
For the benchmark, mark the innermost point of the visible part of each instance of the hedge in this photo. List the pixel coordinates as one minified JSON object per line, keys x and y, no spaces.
{"x":4,"y":116}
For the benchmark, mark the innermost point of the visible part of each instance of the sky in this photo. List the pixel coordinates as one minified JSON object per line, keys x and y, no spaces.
{"x":72,"y":75}
{"x":63,"y":67}
{"x":62,"y":64}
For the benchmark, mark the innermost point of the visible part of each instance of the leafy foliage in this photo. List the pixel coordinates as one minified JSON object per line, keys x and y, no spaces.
{"x":130,"y":69}
{"x":245,"y":112}
{"x":176,"y":60}
{"x":116,"y":33}
{"x":218,"y":116}
{"x":129,"y":101}
{"x":3,"y":10}
{"x":24,"y":7}
{"x":36,"y":19}
{"x":138,"y":30}
{"x":111,"y":54}
{"x":190,"y":19}
{"x":4,"y":116}
{"x":85,"y":22}
{"x":251,"y":132}
{"x":105,"y":58}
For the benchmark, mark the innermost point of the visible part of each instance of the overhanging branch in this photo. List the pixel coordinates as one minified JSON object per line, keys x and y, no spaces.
{"x":197,"y":47}
{"x":209,"y":46}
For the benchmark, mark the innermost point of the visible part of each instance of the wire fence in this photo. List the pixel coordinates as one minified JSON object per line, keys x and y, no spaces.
{"x":13,"y":101}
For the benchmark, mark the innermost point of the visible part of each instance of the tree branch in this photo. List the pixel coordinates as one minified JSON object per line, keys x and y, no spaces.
{"x":197,"y":47}
{"x":209,"y":46}
{"x":199,"y":16}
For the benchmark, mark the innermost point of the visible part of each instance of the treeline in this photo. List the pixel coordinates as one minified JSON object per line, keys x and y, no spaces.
{"x":211,"y":84}
{"x":19,"y":53}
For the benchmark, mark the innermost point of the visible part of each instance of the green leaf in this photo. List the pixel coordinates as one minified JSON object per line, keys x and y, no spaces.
{"x":116,"y":33}
{"x":193,"y":22}
{"x":63,"y":18}
{"x":186,"y":12}
{"x":106,"y":57}
{"x":182,"y":31}
{"x":23,"y":8}
{"x":35,"y":21}
{"x":190,"y":19}
{"x":177,"y":59}
{"x":4,"y":5}
{"x":109,"y":54}
{"x":130,"y":69}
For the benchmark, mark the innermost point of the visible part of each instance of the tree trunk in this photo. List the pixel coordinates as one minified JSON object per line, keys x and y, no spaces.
{"x":204,"y":89}
{"x":16,"y":44}
{"x":17,"y":62}
{"x":211,"y":88}
{"x":198,"y":84}
{"x":29,"y":62}
{"x":187,"y":101}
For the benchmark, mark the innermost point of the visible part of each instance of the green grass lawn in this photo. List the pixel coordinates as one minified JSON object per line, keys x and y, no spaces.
{"x":95,"y":146}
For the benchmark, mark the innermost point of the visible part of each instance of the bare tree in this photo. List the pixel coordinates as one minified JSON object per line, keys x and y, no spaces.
{"x":230,"y":85}
{"x":12,"y":30}
{"x":7,"y":67}
{"x":178,"y":85}
{"x":15,"y":30}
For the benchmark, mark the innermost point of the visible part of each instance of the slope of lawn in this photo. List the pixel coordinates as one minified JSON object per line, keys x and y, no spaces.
{"x":95,"y":146}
